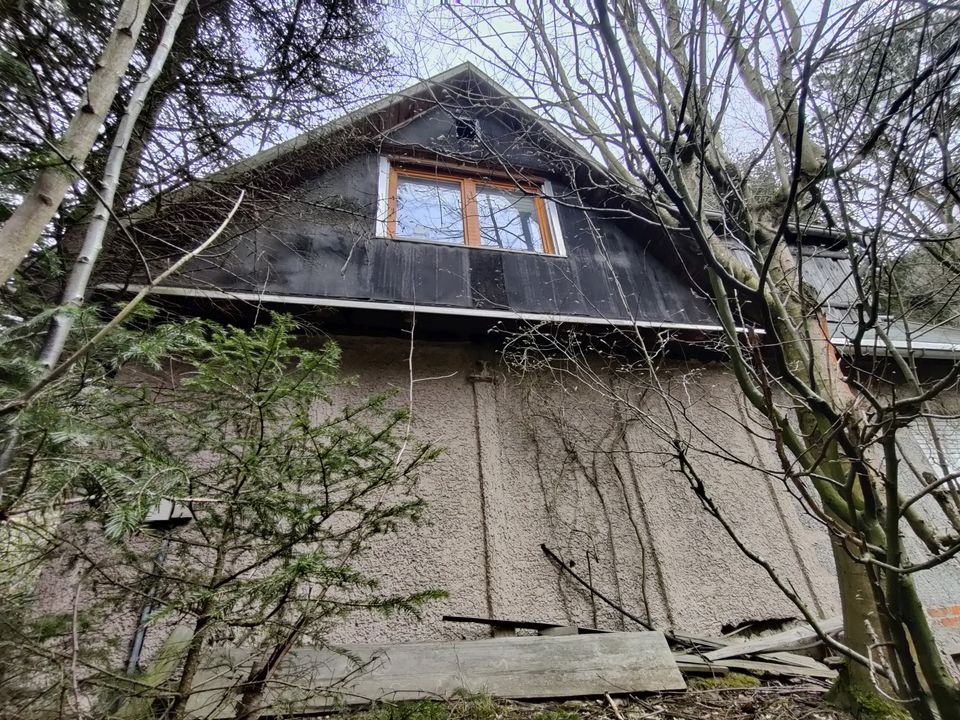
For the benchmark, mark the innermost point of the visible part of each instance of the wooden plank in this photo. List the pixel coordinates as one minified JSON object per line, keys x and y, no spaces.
{"x":514,"y":624}
{"x":696,"y":641}
{"x":675,"y":637}
{"x":693,"y":665}
{"x":770,"y":669}
{"x":696,"y":663}
{"x":559,"y":631}
{"x":792,"y":659}
{"x":788,"y":640}
{"x":520,"y":668}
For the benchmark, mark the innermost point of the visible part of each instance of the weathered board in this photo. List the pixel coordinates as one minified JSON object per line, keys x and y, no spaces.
{"x":794,"y":639}
{"x":523,"y":667}
{"x":611,"y":269}
{"x":699,"y":665}
{"x":506,"y":624}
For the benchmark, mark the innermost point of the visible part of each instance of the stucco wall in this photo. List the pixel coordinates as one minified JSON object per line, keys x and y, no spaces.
{"x":535,"y":457}
{"x":939,"y":588}
{"x":539,"y":458}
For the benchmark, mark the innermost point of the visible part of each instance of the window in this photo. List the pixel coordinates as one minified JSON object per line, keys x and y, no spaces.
{"x":428,"y":209}
{"x":510,"y":219}
{"x":434,"y":206}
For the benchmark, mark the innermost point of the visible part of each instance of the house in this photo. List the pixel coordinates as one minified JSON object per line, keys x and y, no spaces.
{"x":460,"y":248}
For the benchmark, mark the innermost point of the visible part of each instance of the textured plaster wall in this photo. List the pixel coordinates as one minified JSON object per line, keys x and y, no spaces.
{"x":448,"y":551}
{"x":107,"y":605}
{"x":940,"y":587}
{"x":530,"y":460}
{"x":537,"y":457}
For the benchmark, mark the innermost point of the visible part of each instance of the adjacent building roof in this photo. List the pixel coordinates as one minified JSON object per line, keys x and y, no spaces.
{"x":830,"y":275}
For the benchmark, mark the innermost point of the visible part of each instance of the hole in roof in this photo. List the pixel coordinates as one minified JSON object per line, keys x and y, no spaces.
{"x":467,"y":128}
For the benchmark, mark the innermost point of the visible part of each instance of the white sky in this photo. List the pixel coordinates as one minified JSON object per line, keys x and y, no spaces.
{"x":427,"y":39}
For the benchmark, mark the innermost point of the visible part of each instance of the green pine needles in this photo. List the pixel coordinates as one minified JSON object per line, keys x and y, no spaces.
{"x":276,"y":491}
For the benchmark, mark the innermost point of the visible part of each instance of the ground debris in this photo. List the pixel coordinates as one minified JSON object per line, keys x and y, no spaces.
{"x":765,"y":702}
{"x":760,"y":703}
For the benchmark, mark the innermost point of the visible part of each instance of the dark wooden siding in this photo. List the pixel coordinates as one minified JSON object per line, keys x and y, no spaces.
{"x":322,"y":244}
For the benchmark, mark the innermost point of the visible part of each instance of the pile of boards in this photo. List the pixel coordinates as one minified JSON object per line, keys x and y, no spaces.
{"x":557,"y":662}
{"x":787,"y":654}
{"x":767,"y":656}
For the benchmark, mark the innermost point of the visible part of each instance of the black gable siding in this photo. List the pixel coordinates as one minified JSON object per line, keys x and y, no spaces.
{"x":311,"y":249}
{"x":497,"y":142}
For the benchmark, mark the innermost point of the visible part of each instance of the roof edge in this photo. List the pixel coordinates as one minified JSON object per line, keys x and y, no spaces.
{"x":422,"y":89}
{"x":319,"y":301}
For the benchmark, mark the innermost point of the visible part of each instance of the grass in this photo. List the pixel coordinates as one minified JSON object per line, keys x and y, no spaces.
{"x":463,"y":706}
{"x":724,"y":682}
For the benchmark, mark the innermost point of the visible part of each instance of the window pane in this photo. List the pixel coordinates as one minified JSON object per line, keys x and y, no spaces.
{"x":508,"y":219}
{"x":429,"y":210}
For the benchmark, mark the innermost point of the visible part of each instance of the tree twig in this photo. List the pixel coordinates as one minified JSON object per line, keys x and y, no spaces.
{"x":125,"y":312}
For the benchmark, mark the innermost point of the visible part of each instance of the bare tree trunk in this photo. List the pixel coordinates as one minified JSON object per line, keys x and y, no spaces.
{"x":24,"y":227}
{"x":165,"y":83}
{"x":249,"y":707}
{"x":93,"y":241}
{"x":859,"y":612}
{"x":191,"y":664}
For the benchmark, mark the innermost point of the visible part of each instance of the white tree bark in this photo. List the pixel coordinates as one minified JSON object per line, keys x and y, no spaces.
{"x":24,"y":227}
{"x":93,"y":240}
{"x":57,"y":372}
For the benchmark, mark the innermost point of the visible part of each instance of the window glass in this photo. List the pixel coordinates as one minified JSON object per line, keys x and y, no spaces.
{"x":508,"y":219}
{"x":429,"y":209}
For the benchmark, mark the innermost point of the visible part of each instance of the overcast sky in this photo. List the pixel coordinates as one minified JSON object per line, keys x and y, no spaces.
{"x":426,"y":38}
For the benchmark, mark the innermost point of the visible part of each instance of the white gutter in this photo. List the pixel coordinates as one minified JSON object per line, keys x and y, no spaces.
{"x":916,"y":348}
{"x":407,"y":307}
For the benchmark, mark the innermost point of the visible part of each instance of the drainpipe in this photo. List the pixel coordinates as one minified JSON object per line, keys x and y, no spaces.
{"x":166,"y":518}
{"x":136,"y":645}
{"x":482,"y":377}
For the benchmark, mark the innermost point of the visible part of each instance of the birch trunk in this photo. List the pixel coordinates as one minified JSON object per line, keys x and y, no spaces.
{"x":79,"y":279}
{"x":24,"y":227}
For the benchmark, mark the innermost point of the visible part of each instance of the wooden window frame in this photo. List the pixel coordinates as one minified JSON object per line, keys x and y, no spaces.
{"x":468,"y":201}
